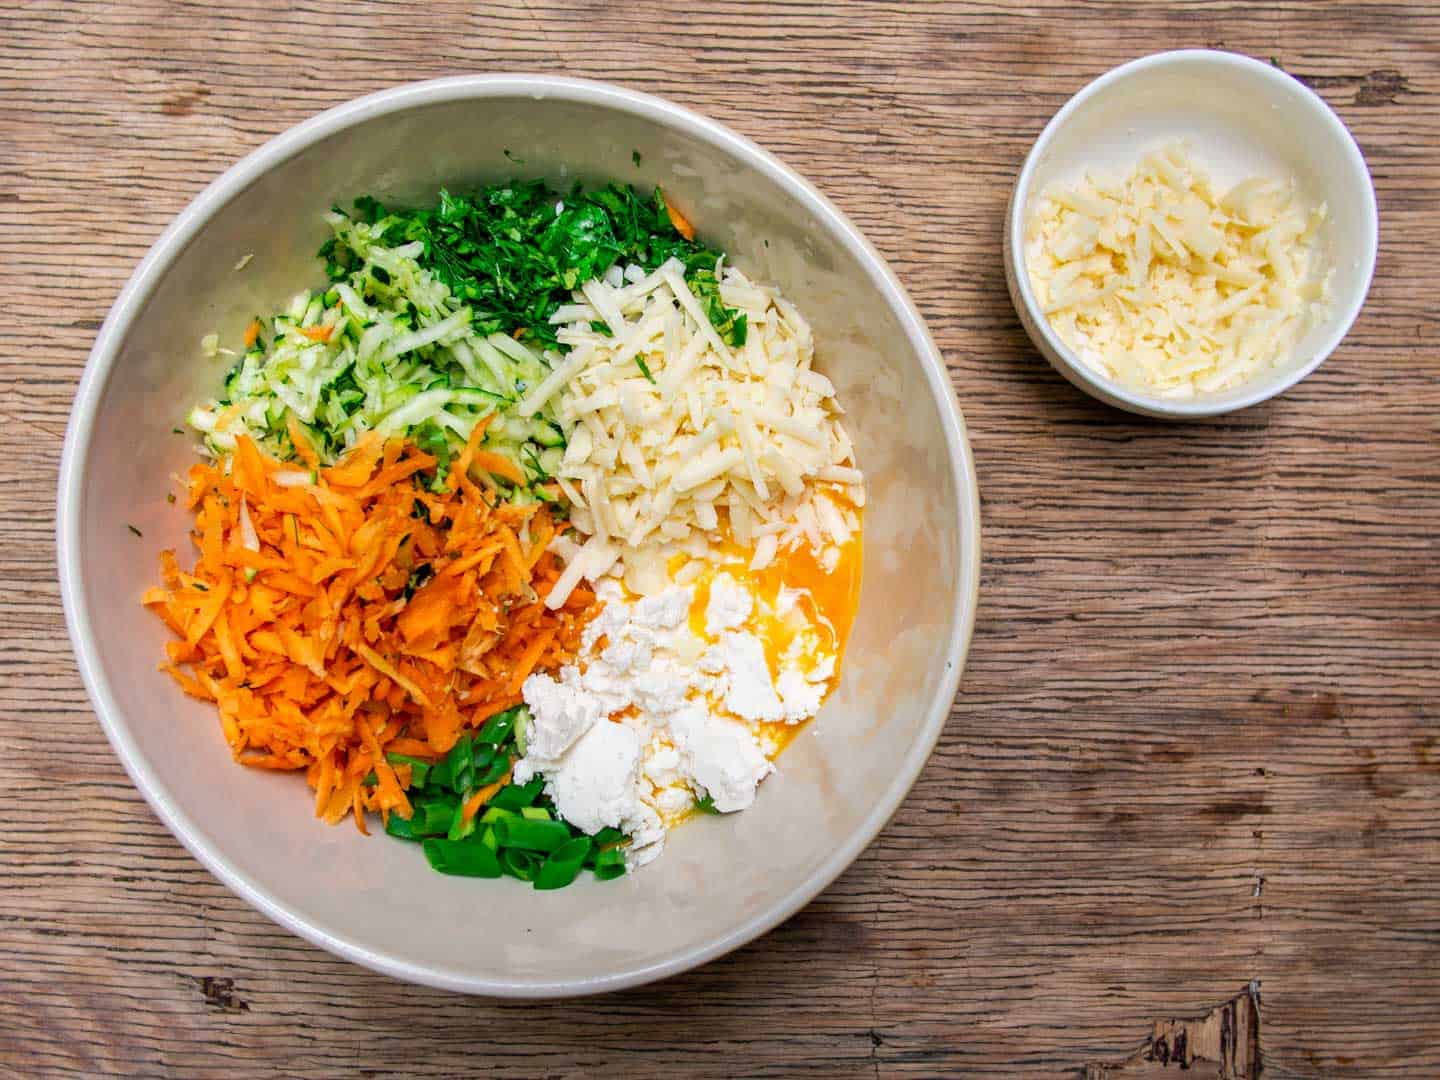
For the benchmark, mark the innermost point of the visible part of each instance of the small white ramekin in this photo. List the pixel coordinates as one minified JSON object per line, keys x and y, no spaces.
{"x":1240,"y":117}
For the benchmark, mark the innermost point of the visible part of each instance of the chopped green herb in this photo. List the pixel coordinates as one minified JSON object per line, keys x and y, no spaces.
{"x":645,"y":368}
{"x":134,"y":530}
{"x":706,"y":805}
{"x":514,"y":252}
{"x":170,"y":496}
{"x":635,"y":157}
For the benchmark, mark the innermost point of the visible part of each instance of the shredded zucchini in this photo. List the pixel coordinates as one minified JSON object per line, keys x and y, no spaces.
{"x":387,"y":348}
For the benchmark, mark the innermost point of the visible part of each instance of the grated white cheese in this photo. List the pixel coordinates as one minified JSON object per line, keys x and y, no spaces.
{"x":672,"y":434}
{"x":1159,"y":284}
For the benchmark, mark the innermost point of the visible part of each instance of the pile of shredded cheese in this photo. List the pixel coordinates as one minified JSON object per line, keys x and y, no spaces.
{"x":1159,"y":284}
{"x":673,"y":434}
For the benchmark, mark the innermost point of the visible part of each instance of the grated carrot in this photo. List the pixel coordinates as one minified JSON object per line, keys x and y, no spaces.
{"x":499,"y":465}
{"x":679,"y":220}
{"x":377,"y":615}
{"x":480,"y":798}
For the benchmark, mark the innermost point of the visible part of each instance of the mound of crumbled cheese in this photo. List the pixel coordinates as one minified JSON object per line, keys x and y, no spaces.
{"x":671,"y":431}
{"x":1156,"y":282}
{"x":653,"y":716}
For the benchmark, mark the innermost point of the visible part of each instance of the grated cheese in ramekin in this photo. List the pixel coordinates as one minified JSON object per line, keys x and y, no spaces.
{"x":1159,"y":284}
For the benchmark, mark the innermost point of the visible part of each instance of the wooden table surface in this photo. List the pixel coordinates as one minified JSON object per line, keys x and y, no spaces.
{"x":1195,"y":750}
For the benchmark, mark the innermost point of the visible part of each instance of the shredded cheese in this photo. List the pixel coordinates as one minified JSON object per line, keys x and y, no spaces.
{"x":1159,"y":284}
{"x":671,"y":431}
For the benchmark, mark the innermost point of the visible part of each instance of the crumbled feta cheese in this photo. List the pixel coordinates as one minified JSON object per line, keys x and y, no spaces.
{"x":568,"y":713}
{"x":722,"y":755}
{"x":594,"y":786}
{"x":650,"y":715}
{"x":729,"y":606}
{"x":749,"y":691}
{"x":800,"y":697}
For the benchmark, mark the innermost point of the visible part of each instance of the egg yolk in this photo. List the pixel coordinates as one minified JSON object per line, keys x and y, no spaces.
{"x":827,"y":600}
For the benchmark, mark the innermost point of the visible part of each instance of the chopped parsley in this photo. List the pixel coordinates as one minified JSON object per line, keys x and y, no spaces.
{"x":514,"y":252}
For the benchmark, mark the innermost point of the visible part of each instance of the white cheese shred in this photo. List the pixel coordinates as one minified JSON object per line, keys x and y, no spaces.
{"x":669,"y":428}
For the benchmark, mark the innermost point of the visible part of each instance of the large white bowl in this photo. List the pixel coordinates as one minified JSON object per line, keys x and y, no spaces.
{"x":722,"y":881}
{"x":1241,"y":117}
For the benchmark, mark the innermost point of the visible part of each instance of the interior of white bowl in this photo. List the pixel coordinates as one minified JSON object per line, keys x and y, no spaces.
{"x":721,"y":880}
{"x":1240,"y":118}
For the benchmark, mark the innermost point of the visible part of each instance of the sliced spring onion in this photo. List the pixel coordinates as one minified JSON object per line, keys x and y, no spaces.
{"x":564,"y":864}
{"x":459,"y":827}
{"x":459,"y":766}
{"x":497,"y":729}
{"x":516,"y":796}
{"x":610,"y":864}
{"x":527,"y":835}
{"x":497,"y":768}
{"x":400,"y":827}
{"x":462,"y":858}
{"x":521,"y":864}
{"x":432,"y":818}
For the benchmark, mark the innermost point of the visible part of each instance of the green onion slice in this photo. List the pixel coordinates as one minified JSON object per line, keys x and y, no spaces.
{"x":462,"y":858}
{"x":527,"y":835}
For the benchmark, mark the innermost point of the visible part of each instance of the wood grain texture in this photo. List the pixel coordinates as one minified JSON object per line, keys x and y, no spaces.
{"x":1196,"y":743}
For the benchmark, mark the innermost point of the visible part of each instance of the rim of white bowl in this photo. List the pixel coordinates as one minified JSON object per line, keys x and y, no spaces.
{"x":142,"y":284}
{"x":1149,"y":404}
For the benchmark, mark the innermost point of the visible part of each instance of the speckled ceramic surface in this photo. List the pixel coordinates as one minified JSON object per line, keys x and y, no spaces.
{"x":722,"y":881}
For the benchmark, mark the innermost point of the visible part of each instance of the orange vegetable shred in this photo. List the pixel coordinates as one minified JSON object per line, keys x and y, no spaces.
{"x":679,"y":220}
{"x":374,"y":616}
